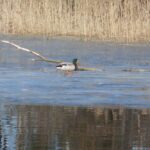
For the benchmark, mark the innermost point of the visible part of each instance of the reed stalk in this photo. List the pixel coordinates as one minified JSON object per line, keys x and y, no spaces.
{"x":119,"y":20}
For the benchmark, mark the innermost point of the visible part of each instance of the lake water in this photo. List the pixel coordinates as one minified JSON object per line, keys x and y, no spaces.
{"x":42,"y":108}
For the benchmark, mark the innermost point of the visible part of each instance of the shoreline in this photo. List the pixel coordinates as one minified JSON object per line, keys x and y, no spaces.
{"x":76,"y":38}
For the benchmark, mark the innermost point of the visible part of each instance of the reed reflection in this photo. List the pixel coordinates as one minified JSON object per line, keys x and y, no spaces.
{"x":74,"y":128}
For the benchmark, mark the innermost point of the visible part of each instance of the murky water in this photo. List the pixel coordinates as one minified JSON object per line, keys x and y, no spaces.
{"x":42,"y":108}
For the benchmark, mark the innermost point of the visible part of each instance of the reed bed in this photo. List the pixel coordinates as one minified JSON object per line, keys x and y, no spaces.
{"x":119,"y":20}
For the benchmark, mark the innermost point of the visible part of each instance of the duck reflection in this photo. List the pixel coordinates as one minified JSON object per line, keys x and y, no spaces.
{"x":74,"y":128}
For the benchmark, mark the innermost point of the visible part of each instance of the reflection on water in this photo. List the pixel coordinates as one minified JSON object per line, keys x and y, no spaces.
{"x":74,"y":128}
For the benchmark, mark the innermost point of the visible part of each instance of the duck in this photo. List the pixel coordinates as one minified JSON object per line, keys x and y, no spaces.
{"x":67,"y":66}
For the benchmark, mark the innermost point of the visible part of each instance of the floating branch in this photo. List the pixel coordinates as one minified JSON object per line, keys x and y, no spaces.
{"x":42,"y":58}
{"x":88,"y":69}
{"x":136,"y":70}
{"x":31,"y":51}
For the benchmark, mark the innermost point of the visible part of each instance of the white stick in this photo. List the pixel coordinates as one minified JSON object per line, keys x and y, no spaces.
{"x":31,"y":51}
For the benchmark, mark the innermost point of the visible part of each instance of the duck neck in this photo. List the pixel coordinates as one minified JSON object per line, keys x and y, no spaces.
{"x":76,"y":66}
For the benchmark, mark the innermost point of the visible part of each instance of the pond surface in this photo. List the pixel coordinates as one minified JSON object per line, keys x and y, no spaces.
{"x":46,"y":109}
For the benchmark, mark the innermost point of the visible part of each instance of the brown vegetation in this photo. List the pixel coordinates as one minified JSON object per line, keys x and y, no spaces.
{"x":121,"y":20}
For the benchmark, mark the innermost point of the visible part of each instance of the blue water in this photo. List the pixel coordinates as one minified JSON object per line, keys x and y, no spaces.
{"x":27,"y":81}
{"x":45,"y":109}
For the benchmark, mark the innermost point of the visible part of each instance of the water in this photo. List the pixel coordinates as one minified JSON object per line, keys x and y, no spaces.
{"x":42,"y":108}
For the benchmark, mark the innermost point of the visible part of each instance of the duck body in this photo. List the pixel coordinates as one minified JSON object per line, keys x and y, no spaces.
{"x":67,"y":66}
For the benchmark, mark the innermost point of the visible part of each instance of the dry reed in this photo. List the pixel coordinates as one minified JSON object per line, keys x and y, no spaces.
{"x":120,"y":20}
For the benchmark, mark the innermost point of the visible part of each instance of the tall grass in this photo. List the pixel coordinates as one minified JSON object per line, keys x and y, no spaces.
{"x":120,"y":20}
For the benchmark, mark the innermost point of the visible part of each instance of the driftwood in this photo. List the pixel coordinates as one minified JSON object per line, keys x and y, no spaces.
{"x":43,"y":58}
{"x":32,"y":52}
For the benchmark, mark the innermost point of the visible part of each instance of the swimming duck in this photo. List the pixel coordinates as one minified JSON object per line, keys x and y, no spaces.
{"x":67,"y":66}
